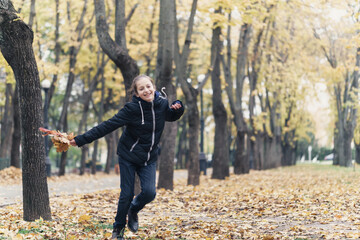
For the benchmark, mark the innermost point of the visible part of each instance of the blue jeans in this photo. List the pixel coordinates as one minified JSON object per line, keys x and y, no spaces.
{"x":147,"y":175}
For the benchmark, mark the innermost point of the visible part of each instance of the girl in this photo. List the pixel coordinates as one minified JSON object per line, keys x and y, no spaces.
{"x":144,"y":118}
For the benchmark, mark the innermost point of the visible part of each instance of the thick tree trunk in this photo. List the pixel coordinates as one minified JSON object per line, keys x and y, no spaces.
{"x":166,"y":158}
{"x":16,"y":46}
{"x":272,"y":154}
{"x":258,"y":146}
{"x":220,"y":161}
{"x":193,"y":152}
{"x":241,"y":163}
{"x":16,"y":138}
{"x":347,"y":149}
{"x":288,"y":155}
{"x":165,"y":60}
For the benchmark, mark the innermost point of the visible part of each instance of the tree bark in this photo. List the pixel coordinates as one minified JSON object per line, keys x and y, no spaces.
{"x":165,"y":60}
{"x":16,"y":47}
{"x":220,"y":161}
{"x":16,"y":138}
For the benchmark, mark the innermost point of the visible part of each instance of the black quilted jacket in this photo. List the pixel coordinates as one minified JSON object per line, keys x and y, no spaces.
{"x":144,"y":123}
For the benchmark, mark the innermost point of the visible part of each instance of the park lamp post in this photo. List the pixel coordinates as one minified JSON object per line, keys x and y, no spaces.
{"x":45,"y":84}
{"x":309,"y":150}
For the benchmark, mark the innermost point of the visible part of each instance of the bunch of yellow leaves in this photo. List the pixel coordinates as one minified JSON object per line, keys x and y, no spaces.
{"x":60,"y":140}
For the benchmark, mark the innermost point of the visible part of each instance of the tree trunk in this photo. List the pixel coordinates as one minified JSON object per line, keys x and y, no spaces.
{"x":6,"y":124}
{"x":16,"y":47}
{"x":182,"y":146}
{"x":57,"y":51}
{"x":193,"y":151}
{"x":116,"y":53}
{"x":336,"y":160}
{"x":220,"y":161}
{"x":258,"y":146}
{"x":32,"y":13}
{"x":166,"y":158}
{"x":347,"y":148}
{"x":241,"y":164}
{"x":111,"y":151}
{"x":63,"y":159}
{"x":192,"y":156}
{"x":84,"y":155}
{"x":16,"y":138}
{"x":101,"y":111}
{"x":357,"y":153}
{"x":164,"y":79}
{"x":73,"y":51}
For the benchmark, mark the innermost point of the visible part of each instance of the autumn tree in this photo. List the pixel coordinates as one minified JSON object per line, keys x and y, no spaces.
{"x":343,"y":80}
{"x":235,"y":94}
{"x":191,"y":94}
{"x":16,"y":47}
{"x":116,"y":50}
{"x":220,"y":161}
{"x":164,"y":77}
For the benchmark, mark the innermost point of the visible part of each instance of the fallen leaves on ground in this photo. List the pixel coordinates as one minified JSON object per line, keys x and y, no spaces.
{"x":300,"y":202}
{"x":10,"y":176}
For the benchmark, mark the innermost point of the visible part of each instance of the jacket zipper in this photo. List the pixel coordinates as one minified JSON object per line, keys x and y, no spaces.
{"x":153,"y":133}
{"x":142,"y":114}
{"x":132,"y":147}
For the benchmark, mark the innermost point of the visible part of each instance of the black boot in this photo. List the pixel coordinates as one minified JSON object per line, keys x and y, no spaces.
{"x":118,"y":233}
{"x":133,"y":221}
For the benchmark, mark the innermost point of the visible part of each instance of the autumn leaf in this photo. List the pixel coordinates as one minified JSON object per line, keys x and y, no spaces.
{"x":60,"y":140}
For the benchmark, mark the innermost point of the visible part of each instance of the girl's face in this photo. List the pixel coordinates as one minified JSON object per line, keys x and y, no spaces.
{"x":145,"y":89}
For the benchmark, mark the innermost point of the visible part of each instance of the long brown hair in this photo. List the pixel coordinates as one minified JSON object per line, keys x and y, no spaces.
{"x":133,"y":88}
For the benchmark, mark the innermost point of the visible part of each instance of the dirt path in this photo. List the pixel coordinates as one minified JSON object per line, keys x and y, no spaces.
{"x":71,"y":184}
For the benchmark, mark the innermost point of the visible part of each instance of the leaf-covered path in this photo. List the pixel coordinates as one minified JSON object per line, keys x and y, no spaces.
{"x":300,"y":202}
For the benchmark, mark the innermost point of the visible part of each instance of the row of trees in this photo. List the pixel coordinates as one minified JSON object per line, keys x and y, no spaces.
{"x":262,"y":59}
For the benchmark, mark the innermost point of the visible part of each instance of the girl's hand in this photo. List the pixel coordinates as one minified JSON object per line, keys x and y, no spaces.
{"x":176,"y":106}
{"x":73,"y":143}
